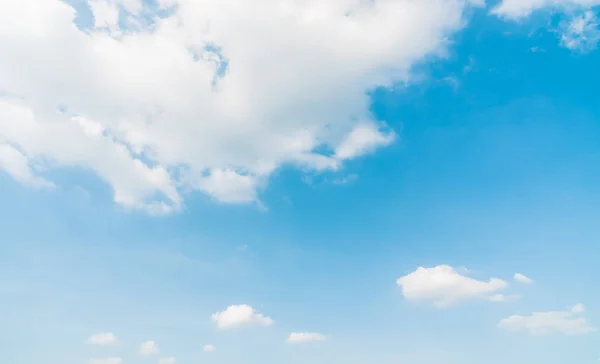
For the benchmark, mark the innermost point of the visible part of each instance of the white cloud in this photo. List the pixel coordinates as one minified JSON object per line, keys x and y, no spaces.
{"x":521,"y":278}
{"x":503,"y":298}
{"x":305,"y":337}
{"x":17,"y":166}
{"x":361,"y":140}
{"x":209,"y":348}
{"x":444,"y":286}
{"x":148,"y":348}
{"x":167,"y":360}
{"x":178,"y":105}
{"x":519,"y":9}
{"x":542,"y":323}
{"x":105,"y":361}
{"x":578,"y":308}
{"x":237,"y":316}
{"x":102,"y":338}
{"x":580,"y":33}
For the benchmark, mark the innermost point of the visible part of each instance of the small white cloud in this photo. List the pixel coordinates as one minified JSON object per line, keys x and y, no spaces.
{"x":503,"y":298}
{"x":578,"y":308}
{"x":105,"y":361}
{"x":148,"y":348}
{"x":229,"y":186}
{"x":167,"y":360}
{"x":102,"y":338}
{"x":305,"y":337}
{"x":543,"y":323}
{"x":521,"y":278}
{"x":445,"y":287}
{"x":581,"y":33}
{"x":209,"y":348}
{"x":240,"y":315}
{"x":363,"y":139}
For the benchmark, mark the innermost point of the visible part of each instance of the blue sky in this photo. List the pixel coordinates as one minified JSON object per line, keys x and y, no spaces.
{"x":334,"y":202}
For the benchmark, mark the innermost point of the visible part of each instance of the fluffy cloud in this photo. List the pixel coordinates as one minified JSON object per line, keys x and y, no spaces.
{"x":209,"y":348}
{"x":305,"y":337}
{"x":17,"y":166}
{"x":445,"y":287}
{"x":105,"y":361}
{"x":148,"y":348}
{"x":102,"y":338}
{"x":521,"y":278}
{"x":581,"y":33}
{"x":518,"y":9}
{"x":237,"y":316}
{"x":212,"y":97}
{"x":541,"y":323}
{"x":167,"y":361}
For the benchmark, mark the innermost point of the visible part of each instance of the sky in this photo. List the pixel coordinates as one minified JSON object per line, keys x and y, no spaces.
{"x":299,"y":181}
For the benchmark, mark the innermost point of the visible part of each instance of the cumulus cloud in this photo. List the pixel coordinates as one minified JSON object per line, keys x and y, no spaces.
{"x":238,"y":316}
{"x":102,"y":338}
{"x":148,"y":348}
{"x":519,"y":9}
{"x":209,"y":348}
{"x":444,"y":286}
{"x":211,"y":96}
{"x":305,"y":337}
{"x":104,"y":361}
{"x":542,"y":323}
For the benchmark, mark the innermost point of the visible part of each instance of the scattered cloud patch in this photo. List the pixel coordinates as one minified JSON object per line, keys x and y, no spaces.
{"x":580,"y":33}
{"x":148,"y":348}
{"x":345,"y":180}
{"x":444,"y":286}
{"x":239,"y":316}
{"x":542,"y":323}
{"x":103,"y":338}
{"x":520,"y":9}
{"x":305,"y":337}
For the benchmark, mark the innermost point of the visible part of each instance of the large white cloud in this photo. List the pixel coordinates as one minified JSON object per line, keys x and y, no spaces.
{"x":213,"y":97}
{"x":238,"y":316}
{"x":541,"y":323}
{"x":444,"y":286}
